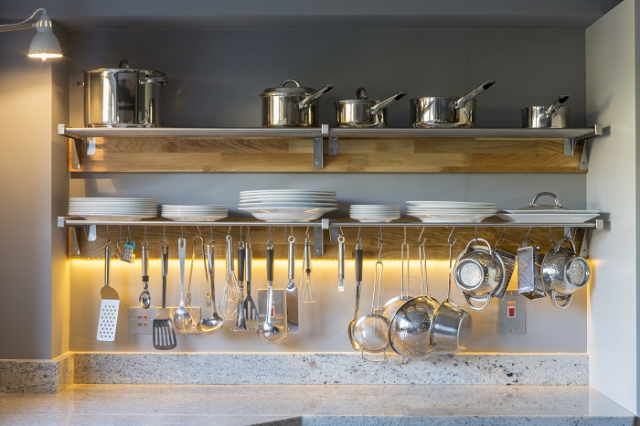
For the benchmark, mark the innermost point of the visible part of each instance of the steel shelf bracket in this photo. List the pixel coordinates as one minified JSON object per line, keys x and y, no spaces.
{"x":570,"y":145}
{"x":318,"y":147}
{"x":318,"y":238}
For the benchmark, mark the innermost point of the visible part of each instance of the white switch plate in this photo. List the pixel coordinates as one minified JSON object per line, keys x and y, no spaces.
{"x":518,"y":324}
{"x":141,"y":320}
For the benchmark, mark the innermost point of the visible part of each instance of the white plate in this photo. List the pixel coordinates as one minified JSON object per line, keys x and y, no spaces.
{"x":381,"y":218}
{"x":461,"y":218}
{"x":290,"y":215}
{"x":263,"y":206}
{"x":194,"y":218}
{"x":287,"y":191}
{"x":548,"y":218}
{"x":111,"y":199}
{"x":451,"y":204}
{"x":115,"y":217}
{"x":451,"y":211}
{"x":552,"y":211}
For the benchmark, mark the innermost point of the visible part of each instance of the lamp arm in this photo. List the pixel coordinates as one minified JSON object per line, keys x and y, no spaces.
{"x":22,"y":25}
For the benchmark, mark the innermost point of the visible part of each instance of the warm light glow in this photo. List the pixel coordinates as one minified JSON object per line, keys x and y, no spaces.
{"x":44,"y":56}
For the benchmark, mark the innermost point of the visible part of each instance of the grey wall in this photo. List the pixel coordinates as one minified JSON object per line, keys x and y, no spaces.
{"x":216,"y":77}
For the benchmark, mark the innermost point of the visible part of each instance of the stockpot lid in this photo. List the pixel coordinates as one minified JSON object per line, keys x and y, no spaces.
{"x":296,"y":90}
{"x":123,"y":67}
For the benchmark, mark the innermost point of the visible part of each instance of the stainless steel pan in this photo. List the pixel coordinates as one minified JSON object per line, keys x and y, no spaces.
{"x":555,"y":116}
{"x":443,"y":111}
{"x":291,"y":106}
{"x":364,"y":112}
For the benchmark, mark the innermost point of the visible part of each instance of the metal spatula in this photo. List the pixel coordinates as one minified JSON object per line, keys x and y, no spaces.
{"x":164,"y":336}
{"x":108,"y":320}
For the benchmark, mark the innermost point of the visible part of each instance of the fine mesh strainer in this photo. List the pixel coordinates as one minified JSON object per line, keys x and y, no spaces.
{"x":529,"y":261}
{"x":372,"y":330}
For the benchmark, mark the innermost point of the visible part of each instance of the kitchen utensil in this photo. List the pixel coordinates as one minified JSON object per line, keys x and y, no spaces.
{"x":363,"y":112}
{"x":250,"y":308}
{"x":241,"y":324}
{"x":214,"y":322}
{"x":563,"y":272}
{"x":164,"y":336}
{"x":412,"y":326}
{"x":452,"y":324}
{"x":447,"y":112}
{"x":350,"y":329}
{"x":341,"y":263}
{"x":372,"y":331}
{"x":307,"y":288}
{"x":539,"y":117}
{"x":122,"y":97}
{"x":109,"y":305}
{"x":269,"y":333}
{"x":509,"y":262}
{"x":187,"y":299}
{"x":479,"y":273}
{"x":529,"y":262}
{"x":292,"y":290}
{"x":145,"y":297}
{"x":182,"y":319}
{"x":231,"y":292}
{"x":291,"y":106}
{"x":390,"y":308}
{"x":128,"y":252}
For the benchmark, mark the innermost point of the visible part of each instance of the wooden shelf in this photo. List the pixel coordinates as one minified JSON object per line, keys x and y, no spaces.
{"x":328,"y":150}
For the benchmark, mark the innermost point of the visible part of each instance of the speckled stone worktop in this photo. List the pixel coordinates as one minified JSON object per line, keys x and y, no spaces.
{"x":317,"y":405}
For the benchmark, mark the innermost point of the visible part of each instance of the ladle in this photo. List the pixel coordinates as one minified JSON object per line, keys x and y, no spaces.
{"x":214,"y":322}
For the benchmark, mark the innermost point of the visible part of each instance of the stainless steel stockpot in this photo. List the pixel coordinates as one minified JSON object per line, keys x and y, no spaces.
{"x":439,"y":111}
{"x":122,"y":97}
{"x":479,"y":273}
{"x":291,"y":106}
{"x":364,"y":112}
{"x":539,"y":117}
{"x":563,"y":272}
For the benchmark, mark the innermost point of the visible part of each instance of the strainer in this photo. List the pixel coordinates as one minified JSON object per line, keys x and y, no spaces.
{"x":372,"y":330}
{"x":563,"y":272}
{"x":529,"y":261}
{"x":412,"y":326}
{"x":452,"y":324}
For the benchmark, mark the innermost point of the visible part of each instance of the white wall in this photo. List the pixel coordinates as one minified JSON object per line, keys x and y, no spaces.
{"x":612,"y":96}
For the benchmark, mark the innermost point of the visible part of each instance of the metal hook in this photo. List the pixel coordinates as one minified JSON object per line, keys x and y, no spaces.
{"x":450,"y":235}
{"x":240,"y":237}
{"x":229,"y":232}
{"x":420,"y":236}
{"x":128,"y":233}
{"x":145,"y":234}
{"x":270,"y":241}
{"x":358,"y":236}
{"x":212,"y":239}
{"x":405,"y":235}
{"x":199,"y":232}
{"x":164,"y":234}
{"x":526,"y":237}
{"x":476,"y":234}
{"x":380,"y":238}
{"x":108,"y":235}
{"x":181,"y":232}
{"x":120,"y":233}
{"x":248,"y":235}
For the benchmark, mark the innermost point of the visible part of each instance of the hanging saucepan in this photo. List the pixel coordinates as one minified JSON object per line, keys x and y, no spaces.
{"x":538,"y":117}
{"x":563,"y":272}
{"x":447,"y":112}
{"x":122,"y":97}
{"x":291,"y":106}
{"x":364,"y":112}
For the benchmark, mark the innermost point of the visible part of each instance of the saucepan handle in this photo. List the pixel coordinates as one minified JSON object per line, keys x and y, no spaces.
{"x":477,"y":307}
{"x":557,"y":300}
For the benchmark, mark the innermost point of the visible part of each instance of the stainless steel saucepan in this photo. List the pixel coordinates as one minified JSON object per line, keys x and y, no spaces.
{"x":538,"y":117}
{"x":447,"y":111}
{"x":364,"y":112}
{"x":291,"y":106}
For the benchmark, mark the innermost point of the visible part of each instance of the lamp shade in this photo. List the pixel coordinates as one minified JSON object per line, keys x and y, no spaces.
{"x":45,"y":44}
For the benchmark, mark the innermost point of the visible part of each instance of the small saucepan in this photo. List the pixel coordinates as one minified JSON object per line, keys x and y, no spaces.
{"x":540,"y":117}
{"x":364,"y":112}
{"x":447,"y":112}
{"x":291,"y":106}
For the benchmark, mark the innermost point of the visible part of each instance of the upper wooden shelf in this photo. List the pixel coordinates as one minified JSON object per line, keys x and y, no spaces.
{"x":325,"y":149}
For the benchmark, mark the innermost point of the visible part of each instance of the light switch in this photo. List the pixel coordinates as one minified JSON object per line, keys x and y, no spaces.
{"x":512,"y":318}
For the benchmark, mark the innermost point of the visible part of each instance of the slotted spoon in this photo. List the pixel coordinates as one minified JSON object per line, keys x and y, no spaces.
{"x":164,"y":336}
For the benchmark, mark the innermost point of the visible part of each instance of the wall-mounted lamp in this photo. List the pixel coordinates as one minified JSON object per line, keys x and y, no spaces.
{"x":44,"y":45}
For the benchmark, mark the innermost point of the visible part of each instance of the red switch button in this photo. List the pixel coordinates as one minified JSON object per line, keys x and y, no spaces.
{"x":511,"y":311}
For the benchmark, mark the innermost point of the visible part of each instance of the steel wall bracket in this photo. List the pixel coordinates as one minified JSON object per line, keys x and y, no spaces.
{"x":318,"y":238}
{"x":87,"y":146}
{"x":318,"y":147}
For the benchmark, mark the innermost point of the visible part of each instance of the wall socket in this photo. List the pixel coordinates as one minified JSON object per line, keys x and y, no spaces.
{"x":141,"y":320}
{"x":512,"y":314}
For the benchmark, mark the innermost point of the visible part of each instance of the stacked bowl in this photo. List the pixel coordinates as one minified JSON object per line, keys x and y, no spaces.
{"x":111,"y":208}
{"x":194,"y":213}
{"x":450,"y":211}
{"x":288,"y":205}
{"x":374,"y":212}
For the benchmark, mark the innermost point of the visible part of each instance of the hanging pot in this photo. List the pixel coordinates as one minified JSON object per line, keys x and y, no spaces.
{"x":291,"y":106}
{"x":364,"y":112}
{"x":122,"y":97}
{"x":539,"y":117}
{"x":442,"y":111}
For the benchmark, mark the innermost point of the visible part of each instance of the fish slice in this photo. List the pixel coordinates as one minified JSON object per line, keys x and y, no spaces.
{"x":110,"y":304}
{"x":164,"y":336}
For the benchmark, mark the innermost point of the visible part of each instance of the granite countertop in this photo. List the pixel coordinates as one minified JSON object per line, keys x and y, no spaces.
{"x":317,"y":405}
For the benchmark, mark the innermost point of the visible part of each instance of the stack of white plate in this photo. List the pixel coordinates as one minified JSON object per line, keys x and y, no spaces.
{"x":194,"y":213}
{"x":374,"y":212}
{"x":288,"y":205}
{"x":450,"y":211}
{"x":103,"y":208}
{"x":548,"y":216}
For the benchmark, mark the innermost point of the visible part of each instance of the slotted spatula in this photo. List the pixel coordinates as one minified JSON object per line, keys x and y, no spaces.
{"x":164,"y":336}
{"x":110,"y":304}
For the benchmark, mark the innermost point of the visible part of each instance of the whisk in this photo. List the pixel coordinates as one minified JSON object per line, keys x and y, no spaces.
{"x":305,"y":278}
{"x":228,"y":306}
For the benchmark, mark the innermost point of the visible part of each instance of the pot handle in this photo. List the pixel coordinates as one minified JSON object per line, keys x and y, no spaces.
{"x":556,"y":105}
{"x":477,"y":307}
{"x":161,"y":81}
{"x":481,"y":240}
{"x":556,"y":248}
{"x":382,"y":105}
{"x":384,"y":355}
{"x":548,"y":194}
{"x":472,"y":94}
{"x":555,"y":300}
{"x":306,"y":102}
{"x":290,"y":81}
